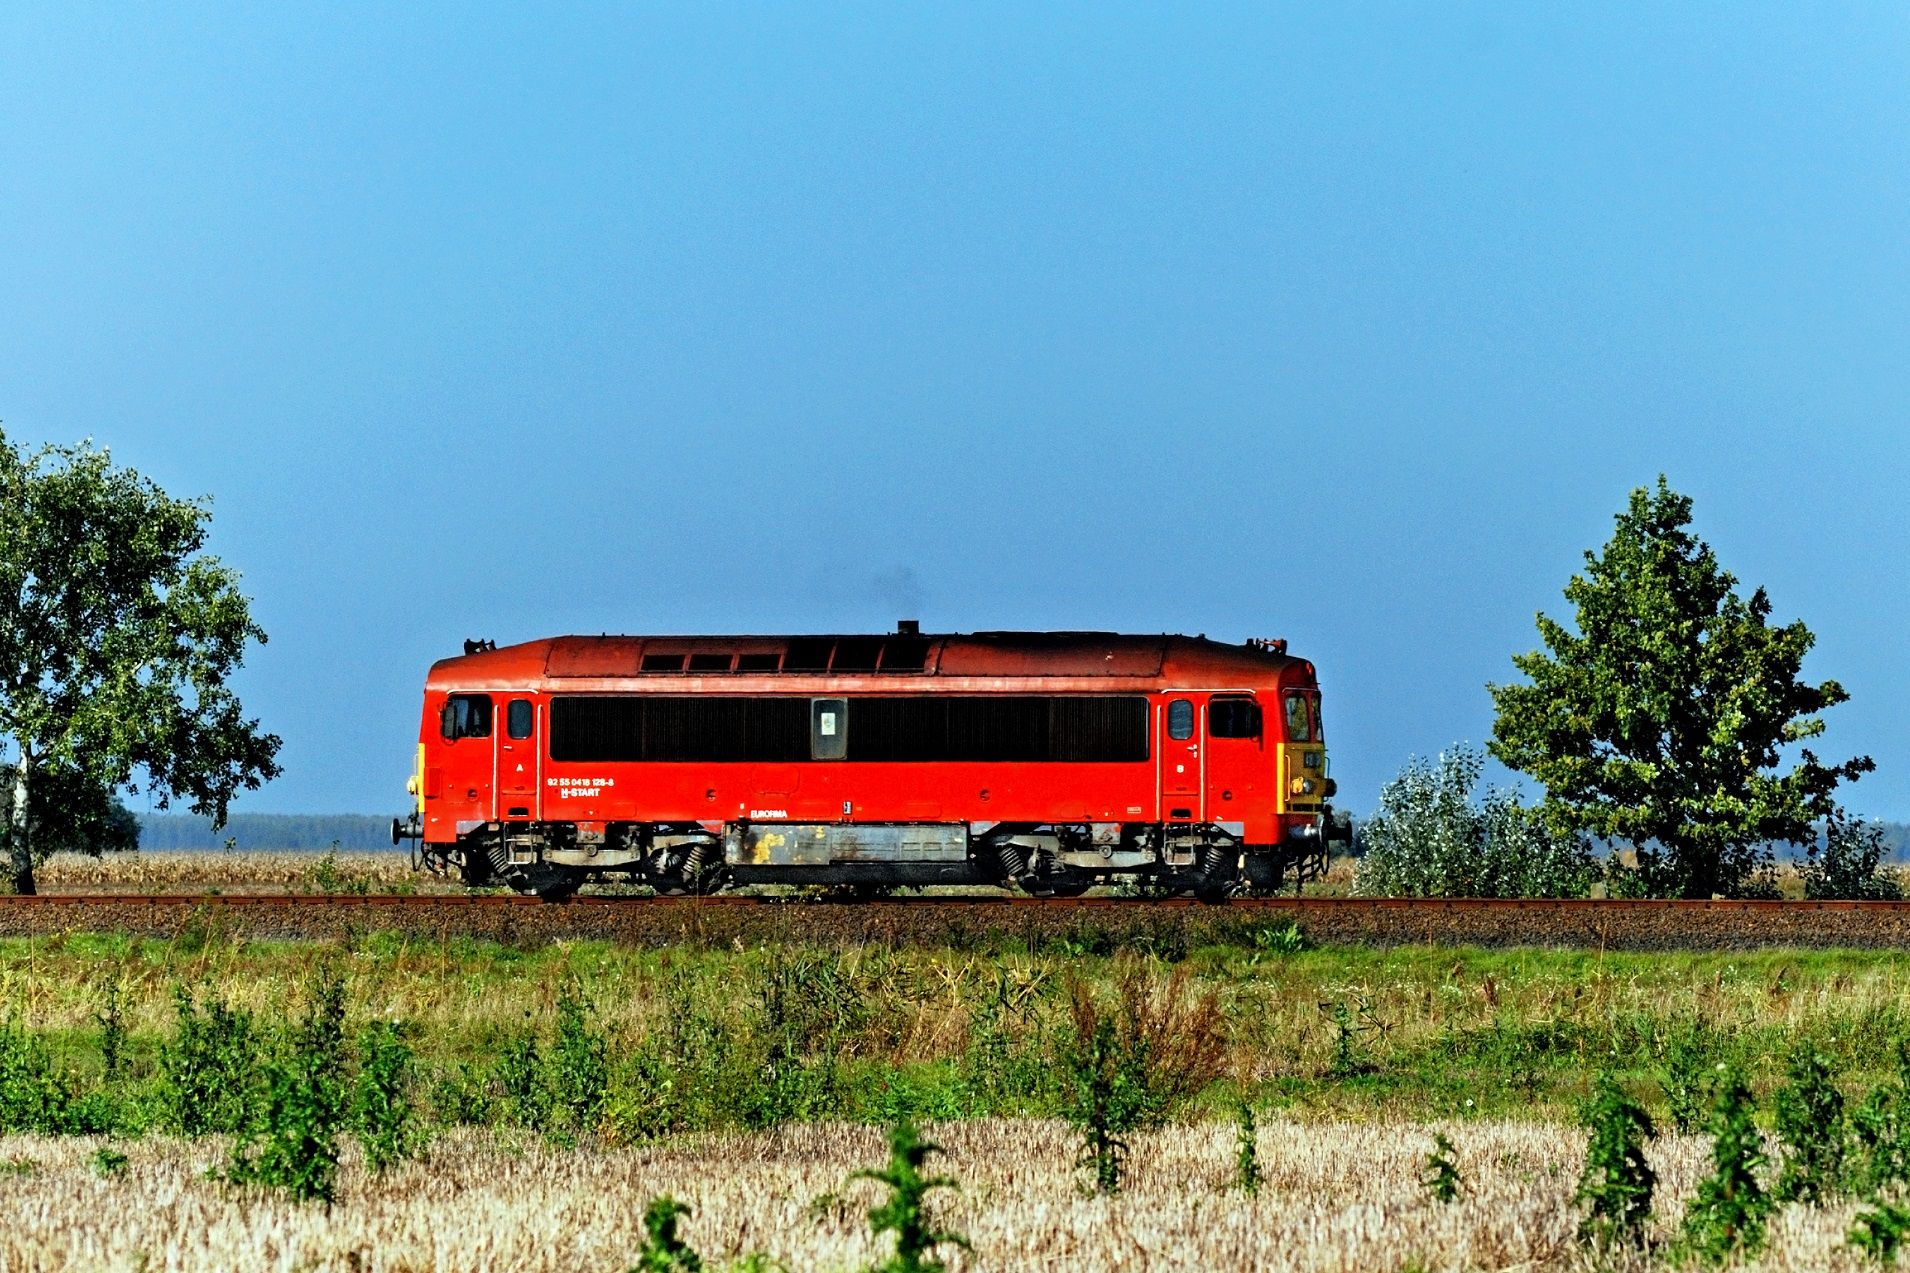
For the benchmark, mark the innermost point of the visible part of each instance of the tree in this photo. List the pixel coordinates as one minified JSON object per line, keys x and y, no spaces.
{"x":68,"y":814}
{"x":1663,"y":720}
{"x":1852,"y":864}
{"x":117,"y":636}
{"x":1429,"y":839}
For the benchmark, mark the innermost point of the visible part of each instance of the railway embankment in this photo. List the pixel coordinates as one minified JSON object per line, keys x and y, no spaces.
{"x":1092,"y":923}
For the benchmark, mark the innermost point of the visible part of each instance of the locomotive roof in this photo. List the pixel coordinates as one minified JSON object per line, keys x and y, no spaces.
{"x":908,"y":654}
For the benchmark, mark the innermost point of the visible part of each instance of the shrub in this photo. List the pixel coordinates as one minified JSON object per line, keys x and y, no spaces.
{"x":1727,"y":1218}
{"x":520,"y":1076}
{"x":1616,"y":1184}
{"x":34,"y":1094}
{"x":1811,"y":1128}
{"x":383,"y":1116}
{"x":1429,"y":840}
{"x":1880,"y":1232}
{"x":1130,"y":1063}
{"x":208,"y":1072}
{"x":905,"y":1212}
{"x":664,"y":1251}
{"x":1686,"y":1075}
{"x":1246,"y":1149}
{"x":1877,"y":1157}
{"x":1442,"y":1179}
{"x":1851,"y":863}
{"x":293,"y":1143}
{"x":579,"y":1075}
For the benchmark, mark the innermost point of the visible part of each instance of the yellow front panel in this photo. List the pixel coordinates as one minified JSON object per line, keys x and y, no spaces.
{"x":1302,"y":784}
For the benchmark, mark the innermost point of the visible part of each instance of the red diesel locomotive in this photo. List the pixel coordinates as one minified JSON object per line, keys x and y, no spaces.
{"x":1045,"y":760}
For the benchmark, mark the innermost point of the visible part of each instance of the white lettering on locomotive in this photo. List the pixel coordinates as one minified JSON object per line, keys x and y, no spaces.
{"x":579,"y":788}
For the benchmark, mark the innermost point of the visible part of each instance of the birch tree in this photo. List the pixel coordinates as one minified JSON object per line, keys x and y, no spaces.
{"x":117,"y":637}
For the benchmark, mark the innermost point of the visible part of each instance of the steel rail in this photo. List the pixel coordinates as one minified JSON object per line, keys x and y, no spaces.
{"x":1323,"y":905}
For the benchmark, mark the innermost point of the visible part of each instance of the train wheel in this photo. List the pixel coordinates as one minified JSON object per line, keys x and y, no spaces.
{"x":546,"y":882}
{"x":1048,"y":878}
{"x":680,"y":872}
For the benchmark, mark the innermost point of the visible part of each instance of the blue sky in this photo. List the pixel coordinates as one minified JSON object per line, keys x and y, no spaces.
{"x":1350,"y":324}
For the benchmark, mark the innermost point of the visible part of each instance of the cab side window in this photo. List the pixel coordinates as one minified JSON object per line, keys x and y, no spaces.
{"x":466,"y":716}
{"x":1299,"y":719}
{"x":1180,"y":720}
{"x":1233,"y":718}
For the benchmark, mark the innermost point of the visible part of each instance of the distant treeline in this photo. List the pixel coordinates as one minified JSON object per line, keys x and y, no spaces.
{"x":159,"y":831}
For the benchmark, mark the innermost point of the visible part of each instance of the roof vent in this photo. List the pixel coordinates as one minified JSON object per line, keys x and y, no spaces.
{"x":908,"y":627}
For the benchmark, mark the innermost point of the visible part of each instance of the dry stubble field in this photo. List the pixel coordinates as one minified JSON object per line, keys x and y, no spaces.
{"x":1335,"y":1197}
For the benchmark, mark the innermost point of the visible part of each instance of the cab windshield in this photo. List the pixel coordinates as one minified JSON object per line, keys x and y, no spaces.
{"x":1301,"y":726}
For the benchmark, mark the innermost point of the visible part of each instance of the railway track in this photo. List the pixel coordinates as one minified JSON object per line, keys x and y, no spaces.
{"x":1086,"y":924}
{"x":1299,"y":905}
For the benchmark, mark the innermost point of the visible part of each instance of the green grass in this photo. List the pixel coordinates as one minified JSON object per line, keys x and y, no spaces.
{"x":701,"y":1037}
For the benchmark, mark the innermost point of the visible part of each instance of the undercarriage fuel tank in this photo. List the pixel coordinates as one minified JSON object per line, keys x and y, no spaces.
{"x":822,"y":843}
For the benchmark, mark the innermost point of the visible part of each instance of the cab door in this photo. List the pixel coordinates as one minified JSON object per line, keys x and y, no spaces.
{"x":1179,"y":741}
{"x":518,"y":766}
{"x":1240,"y":770}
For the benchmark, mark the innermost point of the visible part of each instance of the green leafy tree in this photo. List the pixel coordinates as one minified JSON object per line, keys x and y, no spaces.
{"x":117,"y":637}
{"x":1665,"y":719}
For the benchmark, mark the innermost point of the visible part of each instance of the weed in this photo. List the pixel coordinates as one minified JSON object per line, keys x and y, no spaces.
{"x":1616,"y":1183}
{"x":1811,"y":1127}
{"x":328,"y":877}
{"x":664,"y":1250}
{"x":1129,"y":1064}
{"x":460,"y":1096}
{"x":382,"y":1114}
{"x":293,"y":1145}
{"x":108,"y":1161}
{"x":207,"y":1072}
{"x":520,"y":1074}
{"x":905,"y":1212}
{"x":111,"y":1019}
{"x":1279,"y":939}
{"x":1881,"y":1231}
{"x":1246,"y":1149}
{"x":19,"y":1166}
{"x":1350,"y":1026}
{"x":1686,"y":1076}
{"x":1442,"y":1178}
{"x":34,"y":1094}
{"x":579,"y":1076}
{"x":1727,"y":1218}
